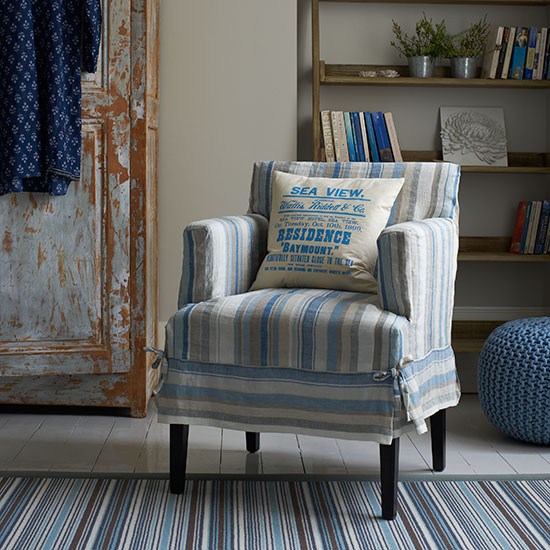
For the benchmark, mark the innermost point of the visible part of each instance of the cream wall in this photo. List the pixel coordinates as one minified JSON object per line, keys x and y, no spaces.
{"x":228,"y":98}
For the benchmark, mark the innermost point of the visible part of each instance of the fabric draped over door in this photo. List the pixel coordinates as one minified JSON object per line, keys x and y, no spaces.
{"x":45,"y":45}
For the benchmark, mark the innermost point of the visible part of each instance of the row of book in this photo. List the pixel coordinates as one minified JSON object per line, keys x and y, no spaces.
{"x":359,"y":137}
{"x":532,"y":229}
{"x":521,"y":53}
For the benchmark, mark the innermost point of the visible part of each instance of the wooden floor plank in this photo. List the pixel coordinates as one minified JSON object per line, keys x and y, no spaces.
{"x":121,"y":450}
{"x":321,"y":455}
{"x":280,"y":454}
{"x":81,"y":450}
{"x":14,"y":435}
{"x":204,"y":452}
{"x":43,"y":449}
{"x":235,"y":459}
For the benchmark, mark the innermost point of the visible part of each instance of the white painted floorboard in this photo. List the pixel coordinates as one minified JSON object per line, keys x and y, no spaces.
{"x":113,"y":444}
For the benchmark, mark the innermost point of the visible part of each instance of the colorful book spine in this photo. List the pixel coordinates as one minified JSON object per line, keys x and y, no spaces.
{"x":392,"y":133}
{"x":373,"y":146}
{"x":537,"y":58}
{"x":542,"y":50}
{"x":530,"y":54}
{"x":502,"y":51}
{"x":517,"y":65}
{"x":327,"y":136}
{"x":534,"y":217}
{"x":358,"y":137}
{"x":542,"y":229}
{"x":509,"y":50}
{"x":338,"y":128}
{"x":382,"y":138}
{"x":546,"y":69}
{"x":490,"y":62}
{"x":515,"y":246}
{"x":364,"y":137}
{"x":349,"y":135}
{"x":525,"y":227}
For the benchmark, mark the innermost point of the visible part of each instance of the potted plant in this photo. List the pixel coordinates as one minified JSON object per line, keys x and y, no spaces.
{"x":465,"y":48}
{"x":423,"y":47}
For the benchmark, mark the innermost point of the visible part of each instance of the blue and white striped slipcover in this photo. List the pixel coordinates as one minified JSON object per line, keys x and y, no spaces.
{"x":315,"y":361}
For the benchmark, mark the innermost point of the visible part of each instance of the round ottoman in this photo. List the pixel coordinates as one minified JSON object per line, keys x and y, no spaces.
{"x":514,"y":379}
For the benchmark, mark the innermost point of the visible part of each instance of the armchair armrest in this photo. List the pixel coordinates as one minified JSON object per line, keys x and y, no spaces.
{"x":221,"y":256}
{"x":417,"y":268}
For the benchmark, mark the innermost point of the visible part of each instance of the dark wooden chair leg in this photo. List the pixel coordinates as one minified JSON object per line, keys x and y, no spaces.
{"x":179,"y":435}
{"x":389,"y":474}
{"x":437,"y":432}
{"x":252,"y":441}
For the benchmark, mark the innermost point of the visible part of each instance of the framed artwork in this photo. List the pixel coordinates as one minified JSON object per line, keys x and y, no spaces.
{"x":474,"y":136}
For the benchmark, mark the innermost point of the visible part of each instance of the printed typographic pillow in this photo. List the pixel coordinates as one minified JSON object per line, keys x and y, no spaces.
{"x":323,"y":231}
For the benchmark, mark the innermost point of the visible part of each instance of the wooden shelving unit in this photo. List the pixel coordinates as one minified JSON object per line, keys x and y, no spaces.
{"x":467,"y":335}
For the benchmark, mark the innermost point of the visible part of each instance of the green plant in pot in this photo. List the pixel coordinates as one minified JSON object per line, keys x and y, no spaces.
{"x":465,"y":48}
{"x":423,"y":47}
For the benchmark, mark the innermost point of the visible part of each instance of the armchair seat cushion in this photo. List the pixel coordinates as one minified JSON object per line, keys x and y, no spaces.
{"x":309,"y":329}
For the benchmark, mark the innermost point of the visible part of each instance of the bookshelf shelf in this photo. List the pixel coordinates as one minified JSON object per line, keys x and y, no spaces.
{"x":469,"y":336}
{"x":493,"y":249}
{"x":348,"y":75}
{"x":518,"y":163}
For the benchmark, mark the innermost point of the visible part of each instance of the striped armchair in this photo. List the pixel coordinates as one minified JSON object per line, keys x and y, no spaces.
{"x":315,"y":361}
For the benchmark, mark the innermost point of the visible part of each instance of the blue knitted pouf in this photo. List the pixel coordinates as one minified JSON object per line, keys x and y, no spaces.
{"x":514,"y":379}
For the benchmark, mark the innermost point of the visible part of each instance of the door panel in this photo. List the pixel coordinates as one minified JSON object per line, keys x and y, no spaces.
{"x":64,"y":261}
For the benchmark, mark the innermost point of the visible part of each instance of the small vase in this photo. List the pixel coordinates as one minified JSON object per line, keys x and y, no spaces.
{"x":463,"y":67}
{"x":421,"y":66}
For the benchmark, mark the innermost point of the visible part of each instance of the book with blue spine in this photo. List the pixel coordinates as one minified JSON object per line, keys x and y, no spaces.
{"x":358,"y":137}
{"x":525,"y":227}
{"x":349,"y":135}
{"x":540,"y":239}
{"x":517,"y":64}
{"x":530,"y":55}
{"x":382,"y":137}
{"x":373,"y":146}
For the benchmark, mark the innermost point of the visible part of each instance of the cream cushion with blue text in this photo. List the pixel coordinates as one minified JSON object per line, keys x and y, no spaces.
{"x":323,"y":231}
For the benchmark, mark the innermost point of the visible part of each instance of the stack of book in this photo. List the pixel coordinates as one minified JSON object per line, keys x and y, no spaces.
{"x":359,"y":137}
{"x":532,"y":230}
{"x":522,"y":53}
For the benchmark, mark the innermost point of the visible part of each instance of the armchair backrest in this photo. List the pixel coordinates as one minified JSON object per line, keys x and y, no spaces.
{"x":430,"y":189}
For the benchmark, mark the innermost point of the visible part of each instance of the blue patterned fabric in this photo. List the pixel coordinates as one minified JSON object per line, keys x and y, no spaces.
{"x":514,"y":379}
{"x":316,"y":361}
{"x":44,"y":45}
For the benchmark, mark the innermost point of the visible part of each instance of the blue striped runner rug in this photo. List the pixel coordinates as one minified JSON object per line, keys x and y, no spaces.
{"x":65,"y":513}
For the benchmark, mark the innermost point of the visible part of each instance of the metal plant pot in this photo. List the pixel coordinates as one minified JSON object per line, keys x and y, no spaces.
{"x":421,"y":66}
{"x":463,"y":67}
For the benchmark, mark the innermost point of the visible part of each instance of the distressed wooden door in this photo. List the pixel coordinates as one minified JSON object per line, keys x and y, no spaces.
{"x":78,"y":273}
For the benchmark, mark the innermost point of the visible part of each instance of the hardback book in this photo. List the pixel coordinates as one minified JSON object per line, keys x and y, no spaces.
{"x":534,"y":217}
{"x":525,"y":227}
{"x":364,"y":137}
{"x":547,"y":243}
{"x":515,"y":245}
{"x":373,"y":146}
{"x":537,"y":57}
{"x":517,"y":64}
{"x":349,"y":135}
{"x":327,"y":136}
{"x":508,"y":55}
{"x":542,"y":50}
{"x":530,"y":55}
{"x":395,"y":149}
{"x":356,"y":126}
{"x":502,"y":51}
{"x":382,"y":137}
{"x":338,"y":129}
{"x":542,"y":229}
{"x":546,"y":70}
{"x":490,"y":61}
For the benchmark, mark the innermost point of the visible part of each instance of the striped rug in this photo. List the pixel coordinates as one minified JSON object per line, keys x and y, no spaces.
{"x":52,"y":513}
